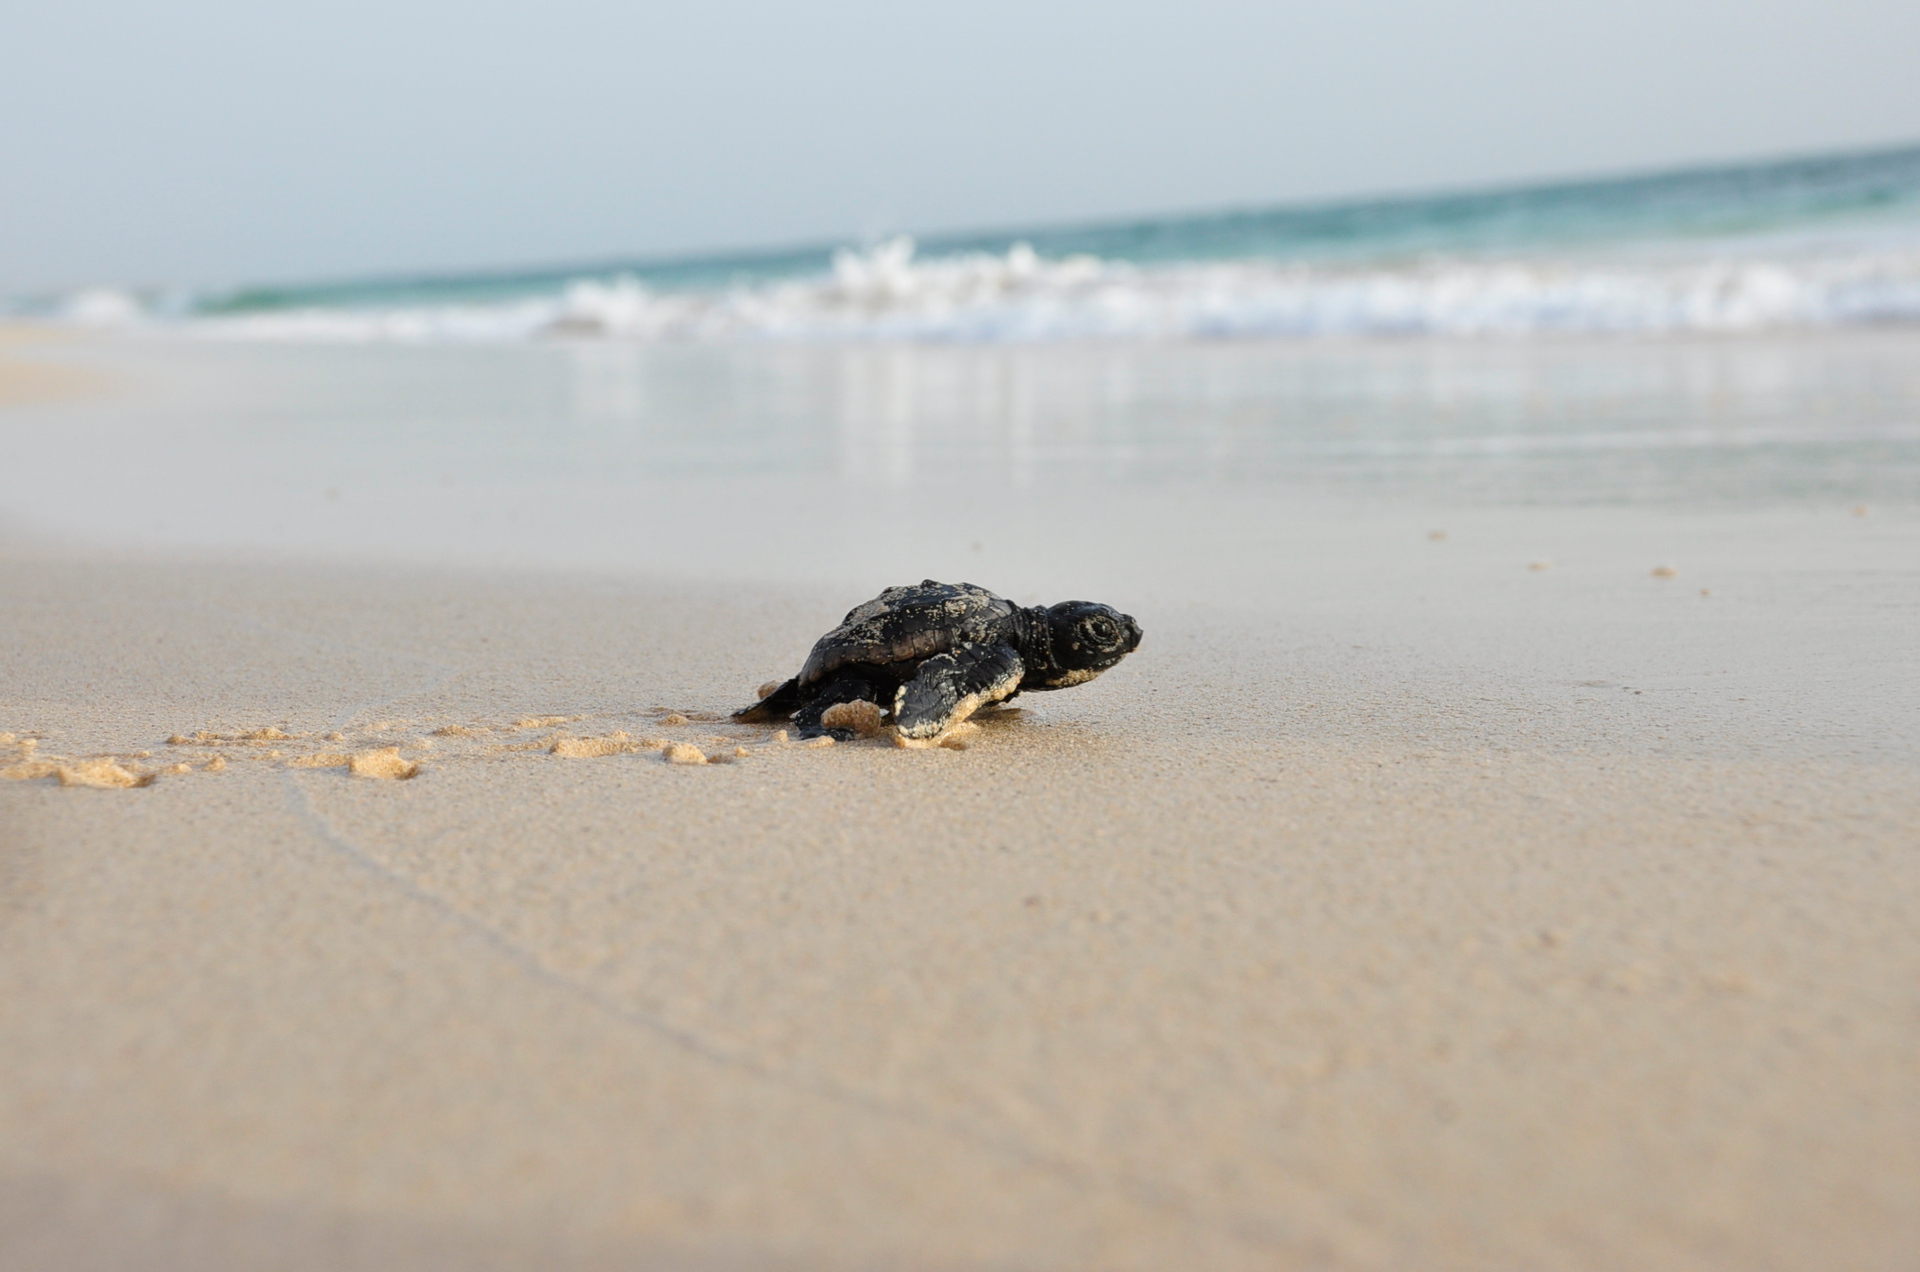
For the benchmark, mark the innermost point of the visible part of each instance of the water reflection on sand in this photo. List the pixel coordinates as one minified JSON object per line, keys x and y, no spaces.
{"x":1742,"y":420}
{"x":313,"y":446}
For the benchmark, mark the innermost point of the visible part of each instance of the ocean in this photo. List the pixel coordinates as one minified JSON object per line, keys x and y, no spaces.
{"x":1829,"y":241}
{"x":1729,"y":340}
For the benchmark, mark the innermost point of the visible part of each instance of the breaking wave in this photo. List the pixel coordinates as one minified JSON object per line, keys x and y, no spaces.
{"x":891,"y":294}
{"x":1824,"y":242}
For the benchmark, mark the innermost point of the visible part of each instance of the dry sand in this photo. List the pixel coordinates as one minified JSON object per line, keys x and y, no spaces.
{"x":1264,"y":951}
{"x":28,"y":377}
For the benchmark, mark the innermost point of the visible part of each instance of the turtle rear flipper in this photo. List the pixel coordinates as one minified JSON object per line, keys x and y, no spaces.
{"x":850,"y":685}
{"x":952,"y":686}
{"x":779,"y":704}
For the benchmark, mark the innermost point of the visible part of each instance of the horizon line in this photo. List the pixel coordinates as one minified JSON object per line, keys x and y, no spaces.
{"x":961,"y":238}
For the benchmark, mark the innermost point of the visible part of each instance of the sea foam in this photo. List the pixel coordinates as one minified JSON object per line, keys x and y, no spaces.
{"x":889,"y":293}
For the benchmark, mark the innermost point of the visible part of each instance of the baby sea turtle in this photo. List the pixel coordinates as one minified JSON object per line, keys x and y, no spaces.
{"x":938,"y":652}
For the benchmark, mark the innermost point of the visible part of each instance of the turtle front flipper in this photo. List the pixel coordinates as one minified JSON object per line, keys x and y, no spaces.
{"x":952,"y":686}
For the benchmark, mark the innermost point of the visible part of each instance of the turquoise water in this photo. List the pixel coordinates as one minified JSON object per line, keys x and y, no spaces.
{"x":1825,"y":241}
{"x":1830,"y":192}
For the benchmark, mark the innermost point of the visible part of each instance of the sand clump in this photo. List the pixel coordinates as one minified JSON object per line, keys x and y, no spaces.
{"x":958,"y":738}
{"x":615,"y":743}
{"x":688,"y":753}
{"x":455,"y":731}
{"x":681,"y":715}
{"x":1665,"y":572}
{"x":765,"y":691}
{"x":862,"y":717}
{"x":539,"y":722}
{"x":103,"y":774}
{"x":29,"y":770}
{"x":384,"y":764}
{"x":25,"y":767}
{"x":251,"y":737}
{"x":589,"y":748}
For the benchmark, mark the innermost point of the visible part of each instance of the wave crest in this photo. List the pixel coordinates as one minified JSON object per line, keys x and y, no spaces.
{"x":889,"y":293}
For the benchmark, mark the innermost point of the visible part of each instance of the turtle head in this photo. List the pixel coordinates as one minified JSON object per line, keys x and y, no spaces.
{"x":1086,"y":640}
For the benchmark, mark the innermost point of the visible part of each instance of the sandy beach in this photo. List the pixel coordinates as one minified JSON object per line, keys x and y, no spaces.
{"x":1447,"y":882}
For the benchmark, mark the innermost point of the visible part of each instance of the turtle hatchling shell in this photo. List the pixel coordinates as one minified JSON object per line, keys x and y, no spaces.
{"x":907,"y":624}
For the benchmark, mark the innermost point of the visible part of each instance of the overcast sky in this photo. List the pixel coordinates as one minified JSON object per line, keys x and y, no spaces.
{"x":214,"y":141}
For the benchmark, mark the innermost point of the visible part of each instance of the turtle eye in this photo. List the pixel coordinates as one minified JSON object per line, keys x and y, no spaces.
{"x":1102,"y":630}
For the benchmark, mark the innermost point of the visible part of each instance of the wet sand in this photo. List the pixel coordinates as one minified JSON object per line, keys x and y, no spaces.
{"x":1589,"y":945}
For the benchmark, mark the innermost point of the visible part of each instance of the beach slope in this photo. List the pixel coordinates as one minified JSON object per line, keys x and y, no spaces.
{"x":412,"y":948}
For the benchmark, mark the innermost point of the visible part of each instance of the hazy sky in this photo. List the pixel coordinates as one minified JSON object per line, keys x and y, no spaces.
{"x":212,"y":141}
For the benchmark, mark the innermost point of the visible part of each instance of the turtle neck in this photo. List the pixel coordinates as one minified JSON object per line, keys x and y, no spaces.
{"x":1033,"y":632}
